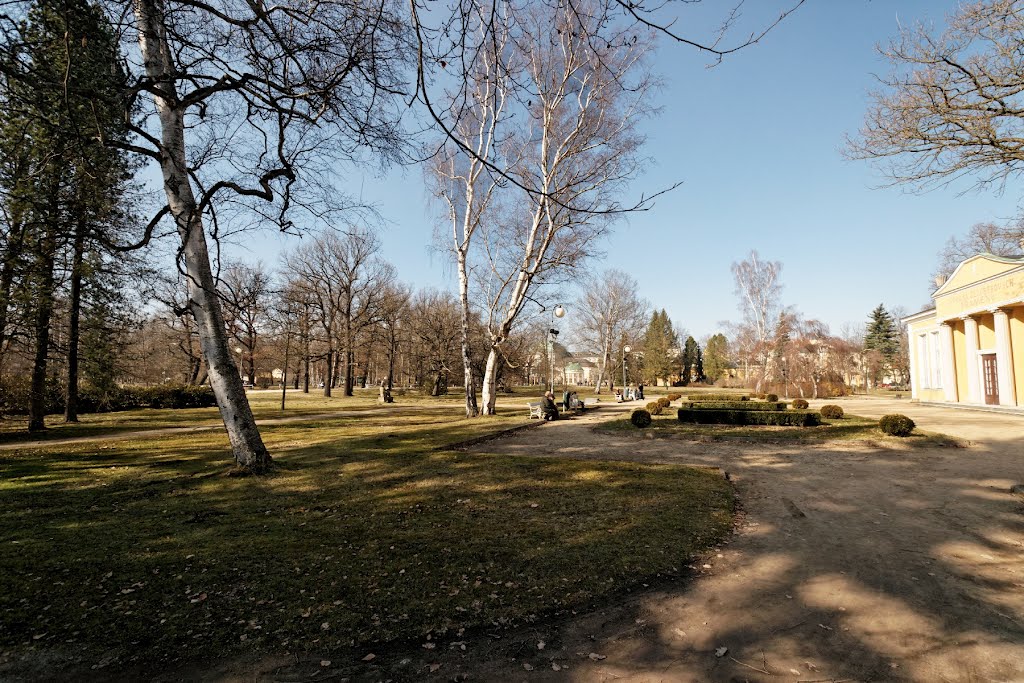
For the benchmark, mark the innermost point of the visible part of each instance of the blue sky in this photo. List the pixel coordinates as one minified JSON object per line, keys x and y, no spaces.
{"x":756,"y":142}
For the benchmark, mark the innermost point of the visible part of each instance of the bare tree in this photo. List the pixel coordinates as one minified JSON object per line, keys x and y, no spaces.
{"x":575,"y":149}
{"x":245,"y":291}
{"x":436,"y":321}
{"x":952,"y":105}
{"x":393,"y":311}
{"x":246,"y":99}
{"x":607,"y":311}
{"x":759,"y":291}
{"x":462,"y":172}
{"x":982,"y":238}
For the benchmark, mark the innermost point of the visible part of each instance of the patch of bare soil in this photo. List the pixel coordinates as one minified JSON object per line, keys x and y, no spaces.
{"x":850,"y":562}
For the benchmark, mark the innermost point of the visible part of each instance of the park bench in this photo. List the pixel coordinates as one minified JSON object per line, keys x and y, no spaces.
{"x":536,"y":409}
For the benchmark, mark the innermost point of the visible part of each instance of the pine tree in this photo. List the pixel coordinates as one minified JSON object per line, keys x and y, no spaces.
{"x":63,"y":102}
{"x":881,"y":334}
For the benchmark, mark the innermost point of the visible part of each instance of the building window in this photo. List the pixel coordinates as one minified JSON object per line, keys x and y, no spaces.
{"x":936,"y":361}
{"x":925,"y":373}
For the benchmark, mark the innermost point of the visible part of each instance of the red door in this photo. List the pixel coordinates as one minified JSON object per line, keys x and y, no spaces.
{"x":990,"y":378}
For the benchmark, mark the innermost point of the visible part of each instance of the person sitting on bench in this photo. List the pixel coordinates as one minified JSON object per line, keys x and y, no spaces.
{"x":549,"y":408}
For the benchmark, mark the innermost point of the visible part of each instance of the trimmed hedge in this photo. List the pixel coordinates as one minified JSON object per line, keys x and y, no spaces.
{"x":655,"y":408}
{"x":718,"y":397}
{"x":640,"y":418}
{"x":896,"y":425}
{"x":771,"y":397}
{"x":674,"y":397}
{"x":799,"y":404}
{"x":789,"y":418}
{"x":664,"y":402}
{"x":831,"y":412}
{"x":14,"y":398}
{"x":734,"y":405}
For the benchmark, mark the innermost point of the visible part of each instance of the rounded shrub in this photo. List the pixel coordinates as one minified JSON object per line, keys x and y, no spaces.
{"x":831,"y":412}
{"x":655,"y":408}
{"x":640,"y":418}
{"x":799,"y":404}
{"x":664,"y":402}
{"x":896,"y":425}
{"x":771,"y":398}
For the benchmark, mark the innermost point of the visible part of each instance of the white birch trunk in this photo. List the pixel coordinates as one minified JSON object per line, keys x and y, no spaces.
{"x":467,"y":365}
{"x":488,"y":393}
{"x":246,"y":443}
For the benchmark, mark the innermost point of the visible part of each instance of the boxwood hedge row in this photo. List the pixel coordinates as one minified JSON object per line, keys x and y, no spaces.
{"x":716,"y":397}
{"x":788,"y":418}
{"x":734,"y":405}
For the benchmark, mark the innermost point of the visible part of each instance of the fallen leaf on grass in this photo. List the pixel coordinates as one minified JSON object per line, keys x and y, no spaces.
{"x":555,"y":667}
{"x":325,"y":662}
{"x":721,"y":652}
{"x":434,"y":667}
{"x":528,"y":666}
{"x":370,"y":657}
{"x":540,"y":645}
{"x":596,"y":657}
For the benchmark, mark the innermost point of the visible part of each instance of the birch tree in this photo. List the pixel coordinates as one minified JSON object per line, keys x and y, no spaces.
{"x":463,"y":170}
{"x":759,"y":291}
{"x":246,"y":103}
{"x":575,"y":150}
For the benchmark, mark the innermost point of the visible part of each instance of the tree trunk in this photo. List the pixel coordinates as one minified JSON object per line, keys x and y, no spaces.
{"x":71,"y":399}
{"x":246,"y":443}
{"x":43,"y":294}
{"x":489,"y":394}
{"x":15,"y":241}
{"x":391,"y":367}
{"x":467,"y":364}
{"x":328,"y":370}
{"x":252,"y":360}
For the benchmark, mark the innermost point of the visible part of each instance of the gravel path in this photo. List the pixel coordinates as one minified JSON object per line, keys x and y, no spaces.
{"x":851,"y":562}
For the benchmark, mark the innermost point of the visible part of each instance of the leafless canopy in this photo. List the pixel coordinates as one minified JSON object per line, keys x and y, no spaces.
{"x":952,"y":105}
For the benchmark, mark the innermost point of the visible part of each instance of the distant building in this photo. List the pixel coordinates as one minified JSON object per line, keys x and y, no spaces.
{"x":969,"y":348}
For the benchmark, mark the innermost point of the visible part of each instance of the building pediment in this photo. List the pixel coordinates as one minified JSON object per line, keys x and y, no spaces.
{"x":976,"y":269}
{"x":979,"y":284}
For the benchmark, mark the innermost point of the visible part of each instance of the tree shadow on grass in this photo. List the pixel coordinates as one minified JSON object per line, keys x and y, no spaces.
{"x":131,"y":556}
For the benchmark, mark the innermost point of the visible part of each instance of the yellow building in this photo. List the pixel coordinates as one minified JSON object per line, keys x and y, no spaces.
{"x":969,"y":348}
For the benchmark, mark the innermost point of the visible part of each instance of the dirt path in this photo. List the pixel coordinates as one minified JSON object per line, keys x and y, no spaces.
{"x":852,"y":563}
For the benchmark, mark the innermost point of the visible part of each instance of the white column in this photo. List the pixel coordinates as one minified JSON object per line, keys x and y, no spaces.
{"x":973,"y":372}
{"x":948,"y":362}
{"x":915,"y":348}
{"x":1004,"y":359}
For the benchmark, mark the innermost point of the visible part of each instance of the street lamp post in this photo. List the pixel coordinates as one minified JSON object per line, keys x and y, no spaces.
{"x":625,"y":349}
{"x":238,"y":350}
{"x":557,"y":312}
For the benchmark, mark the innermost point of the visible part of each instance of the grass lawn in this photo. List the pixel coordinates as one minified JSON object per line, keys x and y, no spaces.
{"x":847,"y":428}
{"x":134,"y":553}
{"x":266,"y":405}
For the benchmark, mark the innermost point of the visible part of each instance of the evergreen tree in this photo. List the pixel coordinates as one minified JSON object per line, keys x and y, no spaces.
{"x":692,"y":362}
{"x":881,"y":334}
{"x":659,"y":348}
{"x":716,"y":357}
{"x":698,"y":366}
{"x":63,"y":101}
